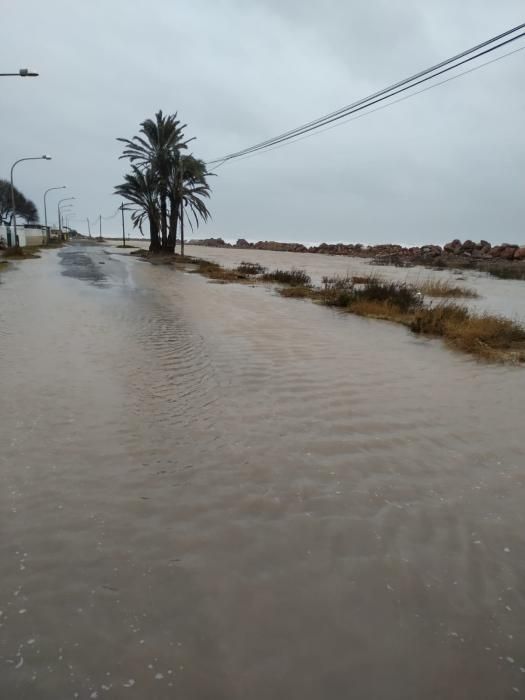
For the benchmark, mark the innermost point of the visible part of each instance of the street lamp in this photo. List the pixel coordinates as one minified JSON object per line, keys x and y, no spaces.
{"x":66,"y":199}
{"x":22,"y":73}
{"x":13,"y":187}
{"x":65,"y":211}
{"x":62,"y":187}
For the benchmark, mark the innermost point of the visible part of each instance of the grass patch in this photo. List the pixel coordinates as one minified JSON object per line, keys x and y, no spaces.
{"x":126,"y":246}
{"x":490,"y":337}
{"x":403,"y":297}
{"x":216,"y":272}
{"x":249,"y":268}
{"x":337,"y":290}
{"x":505,"y":272}
{"x":297,"y":292}
{"x":361,"y":279}
{"x":384,"y":310}
{"x":293,"y":277}
{"x":446,"y":289}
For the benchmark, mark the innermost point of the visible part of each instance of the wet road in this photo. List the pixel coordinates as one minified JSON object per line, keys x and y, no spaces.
{"x":209,"y":491}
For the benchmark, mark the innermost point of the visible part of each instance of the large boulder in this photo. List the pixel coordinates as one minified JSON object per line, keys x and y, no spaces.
{"x":519,"y":253}
{"x":507,"y":252}
{"x":468,"y":246}
{"x":453,"y":247}
{"x":243,"y":243}
{"x":430,"y":251}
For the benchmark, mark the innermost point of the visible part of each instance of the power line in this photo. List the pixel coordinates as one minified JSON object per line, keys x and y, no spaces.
{"x":377,"y":109}
{"x":386,"y":93}
{"x":107,"y":218}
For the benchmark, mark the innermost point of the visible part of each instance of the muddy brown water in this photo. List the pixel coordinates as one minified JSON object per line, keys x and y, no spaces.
{"x":211,"y":492}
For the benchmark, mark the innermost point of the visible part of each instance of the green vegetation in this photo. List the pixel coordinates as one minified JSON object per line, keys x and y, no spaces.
{"x":293,"y":277}
{"x":164,"y":186}
{"x":486,"y":336}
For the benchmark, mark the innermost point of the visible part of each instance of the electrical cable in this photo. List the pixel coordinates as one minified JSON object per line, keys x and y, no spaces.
{"x":380,"y":96}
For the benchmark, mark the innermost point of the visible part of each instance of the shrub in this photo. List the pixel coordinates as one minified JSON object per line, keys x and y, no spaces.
{"x":249,"y":268}
{"x":338,"y":282}
{"x":405,"y":297}
{"x":215,"y":272}
{"x":434,"y":320}
{"x":293,"y":277}
{"x":494,"y":332}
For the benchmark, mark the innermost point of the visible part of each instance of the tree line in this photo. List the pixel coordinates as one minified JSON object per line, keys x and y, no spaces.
{"x":166,"y":186}
{"x":24,"y":208}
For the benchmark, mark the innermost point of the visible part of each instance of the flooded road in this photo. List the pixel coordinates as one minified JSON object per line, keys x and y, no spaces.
{"x":212,"y":492}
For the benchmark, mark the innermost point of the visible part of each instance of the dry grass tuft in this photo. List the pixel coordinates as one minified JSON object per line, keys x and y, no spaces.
{"x":214,"y":271}
{"x":446,"y":289}
{"x":249,"y":268}
{"x":487,"y":336}
{"x":398,"y":294}
{"x":362,"y":279}
{"x":435,"y":320}
{"x":293,"y":277}
{"x":297,"y":292}
{"x":384,"y":310}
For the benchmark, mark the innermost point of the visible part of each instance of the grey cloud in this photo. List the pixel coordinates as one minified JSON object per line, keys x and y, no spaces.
{"x":444,"y":163}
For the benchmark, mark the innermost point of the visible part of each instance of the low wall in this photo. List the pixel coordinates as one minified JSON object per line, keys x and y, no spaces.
{"x":26,"y":236}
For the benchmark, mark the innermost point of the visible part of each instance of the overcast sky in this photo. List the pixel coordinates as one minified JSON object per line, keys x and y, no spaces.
{"x":447,"y":163}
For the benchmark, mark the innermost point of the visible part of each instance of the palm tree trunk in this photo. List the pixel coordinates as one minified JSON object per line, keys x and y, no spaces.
{"x":182,"y":228}
{"x":164,"y":220}
{"x":172,"y":236}
{"x":154,"y":245}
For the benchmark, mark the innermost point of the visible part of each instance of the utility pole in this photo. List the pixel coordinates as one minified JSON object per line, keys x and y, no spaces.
{"x":89,"y":227}
{"x":100,"y":227}
{"x":123,"y":229}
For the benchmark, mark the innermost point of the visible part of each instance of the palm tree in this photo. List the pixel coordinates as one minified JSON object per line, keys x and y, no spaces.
{"x":188,"y":189}
{"x":140,"y":188}
{"x":158,"y":149}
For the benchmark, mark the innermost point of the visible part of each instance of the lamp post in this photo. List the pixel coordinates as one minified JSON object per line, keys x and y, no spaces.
{"x":13,"y":187}
{"x":62,"y":187}
{"x":22,"y":73}
{"x":66,"y":199}
{"x":65,"y":211}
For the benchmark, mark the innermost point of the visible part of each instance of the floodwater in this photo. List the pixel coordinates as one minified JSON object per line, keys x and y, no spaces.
{"x":211,"y":492}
